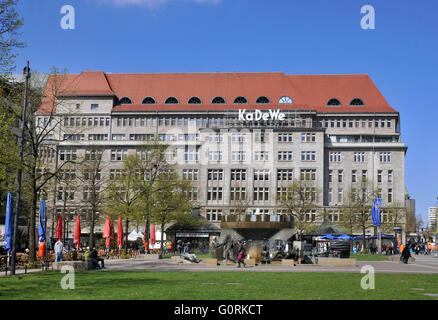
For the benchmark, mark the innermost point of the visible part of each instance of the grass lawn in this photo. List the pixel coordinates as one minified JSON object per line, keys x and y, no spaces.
{"x":369,"y":257}
{"x":216,"y":285}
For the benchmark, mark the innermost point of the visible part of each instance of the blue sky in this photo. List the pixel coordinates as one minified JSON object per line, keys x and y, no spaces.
{"x":291,"y":36}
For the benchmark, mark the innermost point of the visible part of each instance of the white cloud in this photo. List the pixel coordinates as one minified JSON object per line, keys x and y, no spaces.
{"x":150,"y":3}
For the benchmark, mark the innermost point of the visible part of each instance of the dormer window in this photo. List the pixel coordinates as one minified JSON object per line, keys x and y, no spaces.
{"x":240,"y":100}
{"x":356,"y":102}
{"x":262,"y":100}
{"x":148,"y":100}
{"x":194,"y":100}
{"x":333,"y":102}
{"x":125,"y":100}
{"x":218,"y":100}
{"x":285,"y":100}
{"x":171,"y":100}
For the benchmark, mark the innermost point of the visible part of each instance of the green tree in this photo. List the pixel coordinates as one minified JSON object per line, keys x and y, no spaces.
{"x":94,"y":184}
{"x":124,"y":198}
{"x":395,"y":216}
{"x":170,"y":201}
{"x":10,"y":24}
{"x":361,"y":196}
{"x":299,"y":200}
{"x":153,"y":165}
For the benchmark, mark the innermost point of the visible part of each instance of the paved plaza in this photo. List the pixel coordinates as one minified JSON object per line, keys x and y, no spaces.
{"x":422,"y":265}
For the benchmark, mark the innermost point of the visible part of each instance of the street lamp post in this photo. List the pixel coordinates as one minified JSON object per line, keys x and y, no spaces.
{"x":26,"y":72}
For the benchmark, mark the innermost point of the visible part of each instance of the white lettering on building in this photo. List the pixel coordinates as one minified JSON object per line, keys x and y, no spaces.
{"x":259,"y":115}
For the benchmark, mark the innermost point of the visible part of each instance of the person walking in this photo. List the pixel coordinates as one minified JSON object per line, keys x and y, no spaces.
{"x":59,"y":248}
{"x":241,"y":254}
{"x":406,"y":254}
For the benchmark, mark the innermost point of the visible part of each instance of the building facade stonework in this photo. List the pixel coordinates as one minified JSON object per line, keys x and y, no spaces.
{"x":240,"y":138}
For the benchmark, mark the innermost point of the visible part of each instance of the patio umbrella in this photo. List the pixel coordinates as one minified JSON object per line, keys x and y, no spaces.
{"x":112,"y":235}
{"x":77,"y":236}
{"x":107,"y":233}
{"x":120,"y":237}
{"x":328,"y":236}
{"x":152,"y":236}
{"x":345,"y":236}
{"x":9,"y":223}
{"x":42,"y":229}
{"x":361,"y":237}
{"x":59,"y":227}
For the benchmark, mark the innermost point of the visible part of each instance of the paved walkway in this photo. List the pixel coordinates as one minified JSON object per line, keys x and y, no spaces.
{"x":423,"y":265}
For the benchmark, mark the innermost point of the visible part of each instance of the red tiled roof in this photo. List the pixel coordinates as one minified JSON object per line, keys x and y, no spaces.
{"x":308,"y":92}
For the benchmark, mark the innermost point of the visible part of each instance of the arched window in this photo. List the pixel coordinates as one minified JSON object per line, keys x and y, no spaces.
{"x":148,"y":100}
{"x":285,"y":100}
{"x":356,"y":102}
{"x":334,"y":102}
{"x":194,"y":100}
{"x":171,"y":100}
{"x":240,"y":100}
{"x":125,"y":100}
{"x":262,"y":100}
{"x":218,"y":100}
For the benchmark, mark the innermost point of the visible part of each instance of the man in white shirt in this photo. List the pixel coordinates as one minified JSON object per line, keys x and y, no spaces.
{"x":59,"y":247}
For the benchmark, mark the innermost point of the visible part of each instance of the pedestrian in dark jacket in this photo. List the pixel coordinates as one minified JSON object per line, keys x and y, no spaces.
{"x":240,"y":254}
{"x":406,"y":254}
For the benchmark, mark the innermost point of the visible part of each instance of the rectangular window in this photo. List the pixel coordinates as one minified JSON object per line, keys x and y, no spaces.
{"x":359,"y":156}
{"x":308,"y":155}
{"x":308,"y":174}
{"x":340,"y":176}
{"x":261,"y":156}
{"x":379,"y":176}
{"x":190,"y":174}
{"x":118,"y":154}
{"x":285,"y":174}
{"x":191,"y":153}
{"x":261,"y":194}
{"x":335,"y":156}
{"x":364,"y":175}
{"x":389,"y":195}
{"x":214,"y":194}
{"x":385,"y":157}
{"x":238,"y":156}
{"x":213,"y":215}
{"x":308,"y":137}
{"x":353,"y":176}
{"x":285,"y":156}
{"x":237,"y":193}
{"x":94,"y":106}
{"x":238,"y":174}
{"x":330,"y":176}
{"x":261,"y":175}
{"x":390,"y":176}
{"x":285,"y":137}
{"x":215,"y":155}
{"x":340,"y":195}
{"x":215,"y":174}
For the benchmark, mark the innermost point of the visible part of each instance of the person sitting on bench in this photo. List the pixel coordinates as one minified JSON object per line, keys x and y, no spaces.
{"x":94,"y":258}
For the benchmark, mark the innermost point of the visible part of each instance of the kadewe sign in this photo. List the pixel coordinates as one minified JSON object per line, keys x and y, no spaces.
{"x":261,"y":115}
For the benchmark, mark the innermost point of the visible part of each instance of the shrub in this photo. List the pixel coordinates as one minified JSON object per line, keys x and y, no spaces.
{"x":125,"y":256}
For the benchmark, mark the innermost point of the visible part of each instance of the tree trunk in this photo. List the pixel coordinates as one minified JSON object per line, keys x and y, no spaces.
{"x":32,"y":220}
{"x":91,"y":237}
